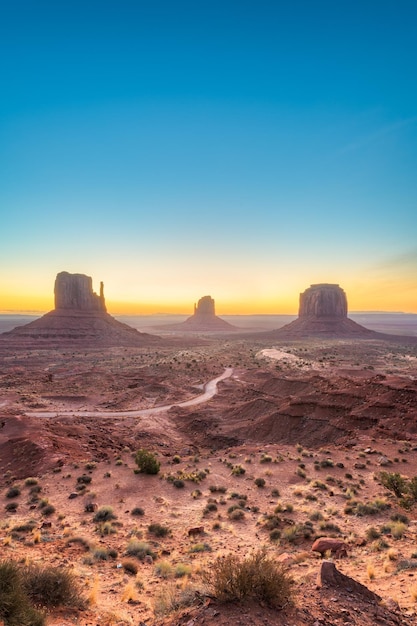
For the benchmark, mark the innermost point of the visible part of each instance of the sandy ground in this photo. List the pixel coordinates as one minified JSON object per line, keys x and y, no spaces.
{"x":216,"y":450}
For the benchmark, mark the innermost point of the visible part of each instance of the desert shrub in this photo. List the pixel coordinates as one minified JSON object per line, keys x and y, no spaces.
{"x":393,"y":482}
{"x":25,"y":527}
{"x":100,"y":554}
{"x":275,"y":534}
{"x":256,"y":577}
{"x":372,"y":533}
{"x":13,"y":492}
{"x":238,"y":470}
{"x":316,"y":516}
{"x":147,"y":462}
{"x":400,"y":517}
{"x":104,"y":514}
{"x":272,"y":521}
{"x":164,"y":569}
{"x":182,"y":569}
{"x":178,"y":483}
{"x":259,"y":482}
{"x":130,"y":567}
{"x":200,"y":547}
{"x":139,"y":549}
{"x":217,"y":489}
{"x":106,"y":528}
{"x":209,"y":508}
{"x":237,"y":514}
{"x":137,"y":511}
{"x":47,"y":510}
{"x":31,"y":481}
{"x":397,"y":529}
{"x":265,"y":458}
{"x":159,"y":530}
{"x":84,"y":479}
{"x":326,"y":463}
{"x":412,"y":487}
{"x":176,"y":458}
{"x":369,"y":508}
{"x":170,"y":598}
{"x":329,"y":526}
{"x":15,"y":607}
{"x":11,"y":507}
{"x":51,"y":586}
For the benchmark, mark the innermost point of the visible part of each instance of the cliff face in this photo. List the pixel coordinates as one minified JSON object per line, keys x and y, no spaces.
{"x":75,"y":292}
{"x":205,"y":306}
{"x":323,"y":300}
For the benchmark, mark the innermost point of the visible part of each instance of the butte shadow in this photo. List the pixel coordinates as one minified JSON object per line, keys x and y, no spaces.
{"x":79,"y":319}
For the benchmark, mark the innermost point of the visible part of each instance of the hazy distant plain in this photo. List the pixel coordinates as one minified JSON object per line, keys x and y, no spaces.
{"x":392,"y":323}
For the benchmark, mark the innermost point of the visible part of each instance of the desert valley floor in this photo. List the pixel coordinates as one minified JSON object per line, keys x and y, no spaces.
{"x":289,"y":448}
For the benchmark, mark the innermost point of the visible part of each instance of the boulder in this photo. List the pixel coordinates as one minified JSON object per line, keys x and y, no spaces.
{"x":329,"y":544}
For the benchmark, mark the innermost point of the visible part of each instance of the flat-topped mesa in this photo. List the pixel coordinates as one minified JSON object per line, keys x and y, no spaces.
{"x":323,"y":300}
{"x":323,"y":313}
{"x":75,"y":292}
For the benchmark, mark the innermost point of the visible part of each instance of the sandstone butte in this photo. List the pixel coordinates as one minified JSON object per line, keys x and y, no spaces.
{"x":204,"y":319}
{"x":79,"y":318}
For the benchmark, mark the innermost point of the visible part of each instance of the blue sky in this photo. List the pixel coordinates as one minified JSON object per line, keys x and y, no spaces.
{"x":241,"y":149}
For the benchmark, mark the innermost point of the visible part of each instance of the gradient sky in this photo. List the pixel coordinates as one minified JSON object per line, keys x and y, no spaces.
{"x":239,"y":149}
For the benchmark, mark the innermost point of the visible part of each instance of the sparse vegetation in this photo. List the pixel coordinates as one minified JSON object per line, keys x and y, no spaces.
{"x":256,"y":577}
{"x":147,"y":462}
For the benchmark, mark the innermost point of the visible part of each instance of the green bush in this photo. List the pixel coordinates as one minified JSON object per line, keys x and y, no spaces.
{"x":256,"y":577}
{"x":393,"y":482}
{"x":147,"y":462}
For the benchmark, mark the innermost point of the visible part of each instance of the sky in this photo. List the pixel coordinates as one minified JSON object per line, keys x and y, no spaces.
{"x":238,"y":149}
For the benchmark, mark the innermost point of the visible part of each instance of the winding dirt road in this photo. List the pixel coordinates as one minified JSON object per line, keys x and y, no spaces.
{"x":210,"y":389}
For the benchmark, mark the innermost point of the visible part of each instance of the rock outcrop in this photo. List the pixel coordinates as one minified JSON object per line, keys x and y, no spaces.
{"x":203,"y":320}
{"x":323,"y":300}
{"x":323,"y":313}
{"x":80,"y":318}
{"x":75,"y":292}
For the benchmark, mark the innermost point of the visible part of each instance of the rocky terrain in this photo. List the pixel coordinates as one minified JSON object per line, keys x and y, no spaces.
{"x":290,"y":449}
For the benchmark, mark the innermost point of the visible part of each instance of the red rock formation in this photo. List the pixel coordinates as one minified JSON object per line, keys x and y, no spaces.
{"x":204,"y":319}
{"x":79,"y":318}
{"x":75,"y":291}
{"x":323,"y":313}
{"x":323,"y":300}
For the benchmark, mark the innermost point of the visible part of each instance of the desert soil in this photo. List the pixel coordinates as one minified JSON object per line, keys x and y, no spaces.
{"x":316,"y":421}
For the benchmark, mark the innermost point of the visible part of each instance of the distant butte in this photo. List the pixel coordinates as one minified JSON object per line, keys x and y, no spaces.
{"x":79,"y":318}
{"x":203,"y":320}
{"x":323,"y":313}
